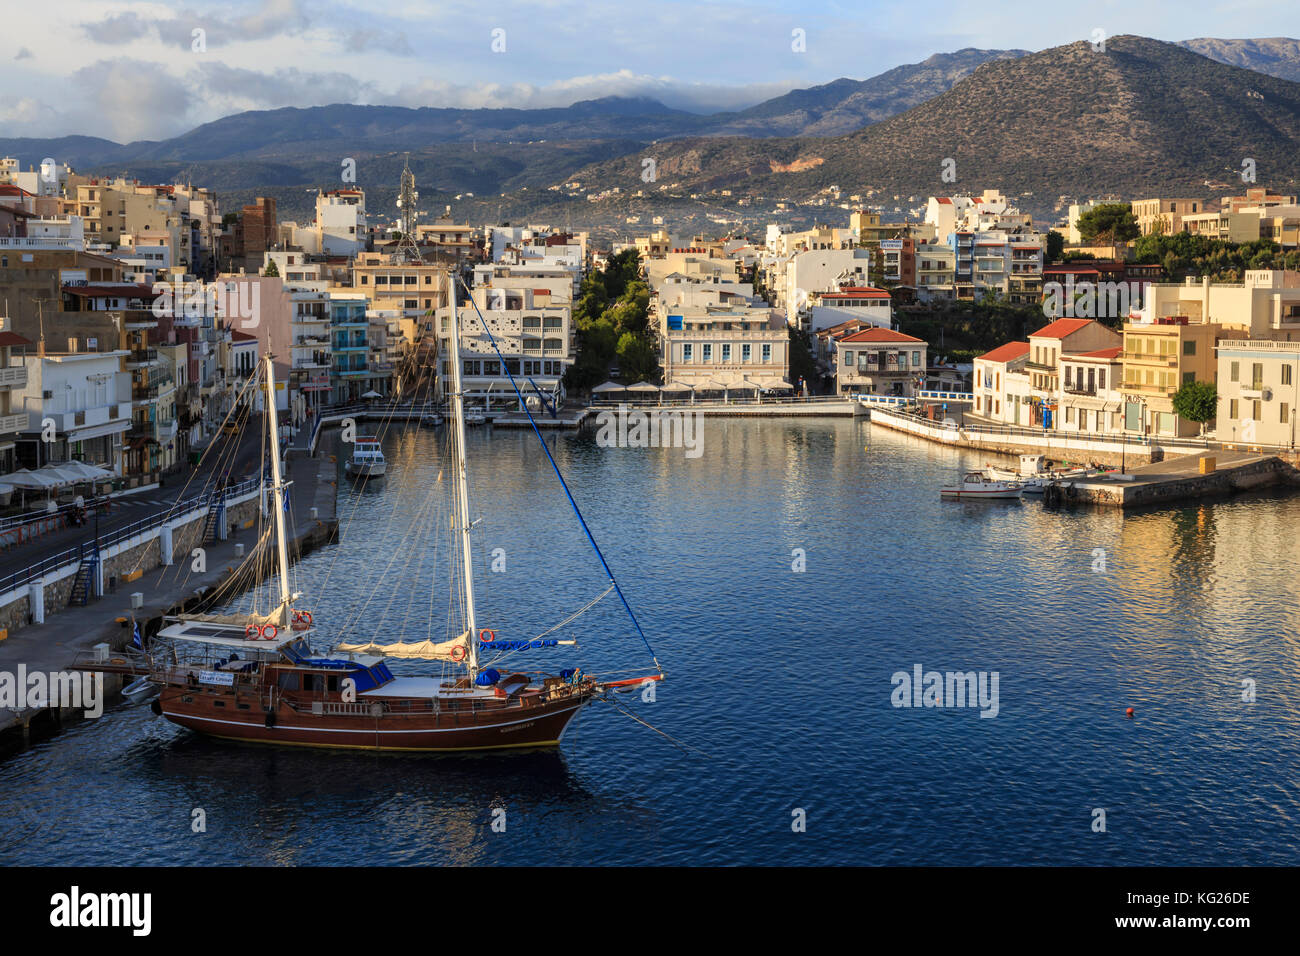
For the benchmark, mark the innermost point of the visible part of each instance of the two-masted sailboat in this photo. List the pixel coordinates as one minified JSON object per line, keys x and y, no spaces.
{"x":256,"y":677}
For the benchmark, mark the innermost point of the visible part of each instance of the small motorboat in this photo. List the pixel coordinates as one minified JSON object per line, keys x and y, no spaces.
{"x":367,"y":459}
{"x":978,"y":485}
{"x":474,"y":417}
{"x":1034,"y":474}
{"x":140,"y":690}
{"x":432,"y":420}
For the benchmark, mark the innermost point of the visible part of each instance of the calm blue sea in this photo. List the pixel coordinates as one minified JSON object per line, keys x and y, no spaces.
{"x":779,"y":681}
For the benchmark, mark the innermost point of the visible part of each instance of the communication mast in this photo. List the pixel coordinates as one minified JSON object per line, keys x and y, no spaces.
{"x":407,"y":198}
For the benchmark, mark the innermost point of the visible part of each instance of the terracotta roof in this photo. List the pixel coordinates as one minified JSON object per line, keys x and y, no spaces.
{"x":237,"y":336}
{"x":1060,"y":329}
{"x":945,"y":200}
{"x":879,"y":335}
{"x":12,"y":338}
{"x":1006,"y":353}
{"x":1100,"y":355}
{"x":857,"y":292}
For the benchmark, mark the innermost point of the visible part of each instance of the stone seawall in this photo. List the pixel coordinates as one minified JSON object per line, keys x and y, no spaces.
{"x":1268,"y":473}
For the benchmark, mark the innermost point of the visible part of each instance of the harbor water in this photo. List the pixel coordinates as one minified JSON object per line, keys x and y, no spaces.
{"x":784,"y":577}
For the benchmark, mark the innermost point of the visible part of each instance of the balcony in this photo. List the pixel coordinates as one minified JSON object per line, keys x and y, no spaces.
{"x":1080,"y":390}
{"x":138,"y":319}
{"x":1151,"y":358}
{"x":1145,"y":389}
{"x":142,"y":358}
{"x":15,"y":376}
{"x":9,"y":424}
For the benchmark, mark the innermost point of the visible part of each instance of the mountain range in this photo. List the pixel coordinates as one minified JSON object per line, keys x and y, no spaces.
{"x":1141,"y":114}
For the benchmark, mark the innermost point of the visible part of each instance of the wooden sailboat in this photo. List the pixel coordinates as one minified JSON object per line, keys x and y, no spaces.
{"x":256,"y":678}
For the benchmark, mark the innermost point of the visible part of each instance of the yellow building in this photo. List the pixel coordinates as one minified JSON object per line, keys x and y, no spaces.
{"x":1159,"y":358}
{"x":1259,"y":390}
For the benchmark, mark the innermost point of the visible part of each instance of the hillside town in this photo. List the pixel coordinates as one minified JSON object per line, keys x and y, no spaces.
{"x":132,"y":313}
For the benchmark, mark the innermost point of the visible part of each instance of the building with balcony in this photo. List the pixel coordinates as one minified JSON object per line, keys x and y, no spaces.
{"x":77,"y":406}
{"x":881,"y":362}
{"x":1047,"y":348}
{"x":535,"y":339}
{"x":1159,"y":358}
{"x":1091,"y":400}
{"x":1266,"y":305}
{"x":13,"y":377}
{"x":1259,"y":391}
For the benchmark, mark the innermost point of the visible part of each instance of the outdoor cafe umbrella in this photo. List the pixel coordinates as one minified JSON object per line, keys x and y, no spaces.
{"x":608,"y":387}
{"x":675,"y":387}
{"x":647,"y":387}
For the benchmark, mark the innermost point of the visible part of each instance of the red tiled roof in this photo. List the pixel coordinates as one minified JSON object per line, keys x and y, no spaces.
{"x":878,"y":335}
{"x":857,"y":292}
{"x":238,"y":336}
{"x":1100,"y":354}
{"x":12,"y":338}
{"x":945,"y":200}
{"x":1006,"y":353}
{"x":12,"y":189}
{"x":1060,"y":329}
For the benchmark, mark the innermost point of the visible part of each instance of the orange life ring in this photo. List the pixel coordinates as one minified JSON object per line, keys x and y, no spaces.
{"x":275,"y":632}
{"x":252,"y":629}
{"x":301,"y":620}
{"x":487,"y":640}
{"x":462,"y":653}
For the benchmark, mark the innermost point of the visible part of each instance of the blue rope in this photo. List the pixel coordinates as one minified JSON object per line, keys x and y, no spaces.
{"x":563,"y":483}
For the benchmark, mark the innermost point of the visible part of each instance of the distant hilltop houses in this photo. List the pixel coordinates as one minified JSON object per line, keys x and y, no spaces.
{"x":132,"y":311}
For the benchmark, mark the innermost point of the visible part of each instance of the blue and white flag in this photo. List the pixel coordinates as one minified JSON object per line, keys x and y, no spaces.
{"x":136,"y":642}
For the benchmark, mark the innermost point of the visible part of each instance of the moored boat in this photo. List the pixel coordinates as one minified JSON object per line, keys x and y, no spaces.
{"x":259,"y":677}
{"x":976,"y":484}
{"x":367,"y":459}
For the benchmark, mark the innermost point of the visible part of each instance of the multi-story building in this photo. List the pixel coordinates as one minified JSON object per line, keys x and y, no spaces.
{"x":935,"y":272}
{"x":881,"y":362}
{"x":13,"y":376}
{"x":1160,"y":356}
{"x":992,"y":393}
{"x":1266,"y":305}
{"x":1224,"y":225}
{"x":1164,"y":216}
{"x":341,"y":222}
{"x":1091,"y":400}
{"x":867,"y":304}
{"x":725,"y":350}
{"x":1259,"y":392}
{"x":1047,"y":347}
{"x":84,"y":400}
{"x":533,"y":336}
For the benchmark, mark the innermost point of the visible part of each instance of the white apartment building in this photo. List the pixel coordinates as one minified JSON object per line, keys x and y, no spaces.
{"x":533,"y":335}
{"x":85,"y":397}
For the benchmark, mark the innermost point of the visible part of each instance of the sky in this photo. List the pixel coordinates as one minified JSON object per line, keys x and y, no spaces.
{"x":139,"y":70}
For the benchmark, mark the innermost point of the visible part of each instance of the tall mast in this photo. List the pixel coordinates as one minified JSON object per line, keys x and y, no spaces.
{"x":273,"y":423}
{"x":462,"y":485}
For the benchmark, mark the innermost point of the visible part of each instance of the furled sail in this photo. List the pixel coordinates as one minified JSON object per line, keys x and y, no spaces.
{"x":454,"y":650}
{"x":239,"y":619}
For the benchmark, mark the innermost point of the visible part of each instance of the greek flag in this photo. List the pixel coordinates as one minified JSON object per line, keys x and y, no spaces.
{"x":136,"y":642}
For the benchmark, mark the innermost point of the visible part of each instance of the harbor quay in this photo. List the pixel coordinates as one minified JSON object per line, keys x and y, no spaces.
{"x":1151,"y":473}
{"x":45,"y":631}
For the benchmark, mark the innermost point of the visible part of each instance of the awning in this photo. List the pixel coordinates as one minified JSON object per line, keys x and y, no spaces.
{"x":643,"y":387}
{"x":677,"y":387}
{"x":609,"y":387}
{"x":98,"y":431}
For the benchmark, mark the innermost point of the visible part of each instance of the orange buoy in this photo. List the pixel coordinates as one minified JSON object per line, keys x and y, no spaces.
{"x":1129,"y":712}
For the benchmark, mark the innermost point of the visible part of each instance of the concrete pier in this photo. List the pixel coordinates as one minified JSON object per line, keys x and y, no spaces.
{"x":52,"y":645}
{"x":1179,"y":479}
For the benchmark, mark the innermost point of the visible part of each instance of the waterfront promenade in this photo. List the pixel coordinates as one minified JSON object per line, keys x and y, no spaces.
{"x":54,"y":644}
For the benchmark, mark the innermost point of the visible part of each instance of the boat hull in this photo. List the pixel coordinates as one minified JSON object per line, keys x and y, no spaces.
{"x":543,"y":725}
{"x":996,"y":495}
{"x":368,"y":470}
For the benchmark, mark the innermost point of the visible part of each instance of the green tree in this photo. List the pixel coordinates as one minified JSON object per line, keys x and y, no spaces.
{"x":1197,"y":402}
{"x":802,"y":364}
{"x":1109,"y":222}
{"x":271,"y":269}
{"x":637,"y":357}
{"x":1055,"y":247}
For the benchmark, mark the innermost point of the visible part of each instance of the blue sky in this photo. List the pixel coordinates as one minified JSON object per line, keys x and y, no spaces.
{"x":130,"y":70}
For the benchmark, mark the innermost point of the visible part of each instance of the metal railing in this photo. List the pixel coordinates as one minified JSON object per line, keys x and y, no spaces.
{"x":72,"y":556}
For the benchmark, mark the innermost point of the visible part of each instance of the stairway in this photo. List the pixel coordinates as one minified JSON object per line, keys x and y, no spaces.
{"x":82,"y":583}
{"x":211,"y":524}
